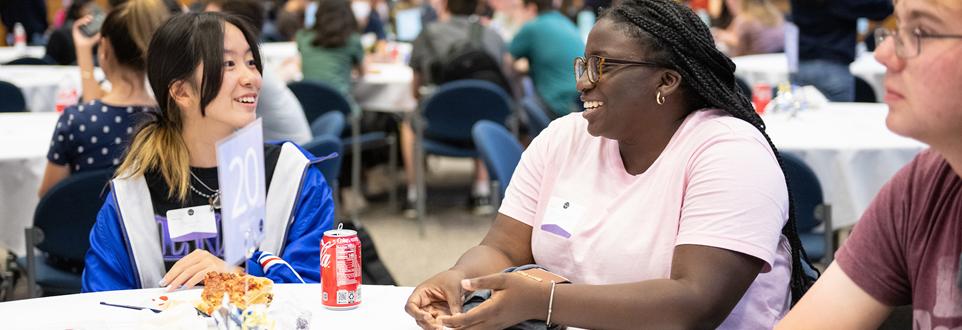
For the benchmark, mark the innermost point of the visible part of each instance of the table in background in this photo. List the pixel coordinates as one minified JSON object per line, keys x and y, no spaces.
{"x":848,"y":147}
{"x":8,"y":54}
{"x":40,"y":83}
{"x":24,"y":141}
{"x":773,"y":69}
{"x":382,"y":307}
{"x":384,"y":87}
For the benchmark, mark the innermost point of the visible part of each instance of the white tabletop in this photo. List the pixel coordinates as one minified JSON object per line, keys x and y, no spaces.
{"x":24,"y":141}
{"x":8,"y":54}
{"x":41,"y":83}
{"x":848,"y":147}
{"x":773,"y":69}
{"x":382,"y":307}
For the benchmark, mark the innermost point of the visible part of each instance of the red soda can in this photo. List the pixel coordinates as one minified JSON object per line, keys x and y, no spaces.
{"x":340,"y":269}
{"x":761,"y":95}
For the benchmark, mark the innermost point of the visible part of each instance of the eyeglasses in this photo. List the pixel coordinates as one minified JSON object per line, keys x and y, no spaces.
{"x":908,"y":44}
{"x":594,"y":65}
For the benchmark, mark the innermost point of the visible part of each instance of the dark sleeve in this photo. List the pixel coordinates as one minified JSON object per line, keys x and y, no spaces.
{"x":874,"y":256}
{"x":60,"y":47}
{"x":419,"y":52}
{"x":871,"y":9}
{"x":60,"y":144}
{"x":375,"y":25}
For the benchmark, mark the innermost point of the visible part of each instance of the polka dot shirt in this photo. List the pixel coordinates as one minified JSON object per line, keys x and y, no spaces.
{"x":94,"y":135}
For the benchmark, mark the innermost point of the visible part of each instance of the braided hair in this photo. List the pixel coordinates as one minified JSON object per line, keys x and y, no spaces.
{"x":680,"y":40}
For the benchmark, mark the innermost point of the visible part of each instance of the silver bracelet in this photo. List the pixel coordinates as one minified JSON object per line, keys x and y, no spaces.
{"x":547,"y":321}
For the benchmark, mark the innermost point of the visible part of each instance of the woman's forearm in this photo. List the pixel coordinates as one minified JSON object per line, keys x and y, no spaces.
{"x":90,"y":87}
{"x":482,"y":260}
{"x":654,"y":304}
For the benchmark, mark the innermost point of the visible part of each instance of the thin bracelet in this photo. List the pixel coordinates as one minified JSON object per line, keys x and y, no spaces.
{"x":547,"y":321}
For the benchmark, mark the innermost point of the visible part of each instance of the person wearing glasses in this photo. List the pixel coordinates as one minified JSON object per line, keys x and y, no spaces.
{"x":663,"y":203}
{"x":826,"y":42}
{"x":905,"y":249}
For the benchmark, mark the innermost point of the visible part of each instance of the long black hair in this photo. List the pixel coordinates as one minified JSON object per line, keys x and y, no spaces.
{"x":682,"y":41}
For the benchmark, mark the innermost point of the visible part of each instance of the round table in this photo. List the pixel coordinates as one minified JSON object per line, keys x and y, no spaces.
{"x":382,"y":307}
{"x":25,"y":138}
{"x":773,"y":69}
{"x":41,"y":83}
{"x":848,"y":147}
{"x":384,"y":87}
{"x":8,"y":54}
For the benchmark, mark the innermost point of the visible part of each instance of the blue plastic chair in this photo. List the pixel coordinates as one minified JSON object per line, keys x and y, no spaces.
{"x":61,"y":232}
{"x":450,"y":114}
{"x":500,"y":151}
{"x":537,"y":118}
{"x":317,"y":99}
{"x":331,"y":123}
{"x":12,"y":98}
{"x":29,"y":61}
{"x":810,"y":209}
{"x":322,"y":146}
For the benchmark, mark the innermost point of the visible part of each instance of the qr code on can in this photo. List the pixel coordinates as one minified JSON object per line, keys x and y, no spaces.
{"x":346,"y":297}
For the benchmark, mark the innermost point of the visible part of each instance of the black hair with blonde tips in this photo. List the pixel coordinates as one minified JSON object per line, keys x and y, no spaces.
{"x":678,"y":38}
{"x":177,"y":49}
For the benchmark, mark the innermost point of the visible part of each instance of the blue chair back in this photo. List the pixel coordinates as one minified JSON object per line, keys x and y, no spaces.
{"x":807,"y":192}
{"x":458,"y":105}
{"x":29,"y":61}
{"x":318,"y":98}
{"x":68,"y":211}
{"x":538,"y":119}
{"x":499,"y":149}
{"x":331,"y":123}
{"x":322,"y":146}
{"x":12,"y":98}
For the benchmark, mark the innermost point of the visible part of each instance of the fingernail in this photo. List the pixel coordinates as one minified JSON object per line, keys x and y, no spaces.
{"x":466,"y":284}
{"x":162,"y":283}
{"x":169,"y":288}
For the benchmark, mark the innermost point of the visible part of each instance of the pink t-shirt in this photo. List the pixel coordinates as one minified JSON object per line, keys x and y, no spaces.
{"x":717,"y":183}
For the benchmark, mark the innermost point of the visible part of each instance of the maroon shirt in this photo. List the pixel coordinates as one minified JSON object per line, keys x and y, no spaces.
{"x":906,"y":247}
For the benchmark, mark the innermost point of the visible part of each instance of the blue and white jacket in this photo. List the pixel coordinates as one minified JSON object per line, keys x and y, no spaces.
{"x":125,"y":248}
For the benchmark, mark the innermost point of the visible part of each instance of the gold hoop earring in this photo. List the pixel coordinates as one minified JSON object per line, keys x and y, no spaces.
{"x":659,"y":99}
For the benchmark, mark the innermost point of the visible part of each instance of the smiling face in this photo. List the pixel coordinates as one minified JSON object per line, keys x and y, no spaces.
{"x":236,"y":100}
{"x":624,"y":98}
{"x":922,"y":91}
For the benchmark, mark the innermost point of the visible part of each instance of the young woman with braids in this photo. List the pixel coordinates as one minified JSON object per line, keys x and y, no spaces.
{"x":664,"y":202}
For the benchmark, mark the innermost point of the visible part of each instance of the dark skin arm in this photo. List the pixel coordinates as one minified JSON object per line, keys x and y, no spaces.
{"x":704,"y":286}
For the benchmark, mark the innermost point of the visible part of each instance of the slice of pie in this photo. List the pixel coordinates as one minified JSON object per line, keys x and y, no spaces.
{"x":243,"y":290}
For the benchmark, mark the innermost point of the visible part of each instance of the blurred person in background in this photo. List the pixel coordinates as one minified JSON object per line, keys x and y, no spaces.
{"x":60,"y":49}
{"x":905,"y":248}
{"x":545,"y":47}
{"x":453,"y":26}
{"x":757,"y":28}
{"x":281,"y":111}
{"x":32,"y":14}
{"x":93,"y":134}
{"x":827,"y":39}
{"x":331,"y":50}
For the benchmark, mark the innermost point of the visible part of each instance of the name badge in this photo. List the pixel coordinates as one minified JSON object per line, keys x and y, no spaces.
{"x":561,"y":216}
{"x":192,"y":223}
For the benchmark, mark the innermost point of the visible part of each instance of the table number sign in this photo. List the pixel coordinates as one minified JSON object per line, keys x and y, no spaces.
{"x":240,"y":164}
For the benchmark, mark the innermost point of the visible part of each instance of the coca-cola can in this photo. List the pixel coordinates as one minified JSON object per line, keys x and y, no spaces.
{"x":340,"y":269}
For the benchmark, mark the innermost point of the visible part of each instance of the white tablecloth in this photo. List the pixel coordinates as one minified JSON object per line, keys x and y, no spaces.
{"x":848,"y":147}
{"x":40,"y":83}
{"x":382,"y":307}
{"x":8,"y":54}
{"x":773,"y":69}
{"x":24,"y":140}
{"x":384,"y":87}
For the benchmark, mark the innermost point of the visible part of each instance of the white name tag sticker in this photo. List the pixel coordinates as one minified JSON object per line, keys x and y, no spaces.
{"x":561,"y":216}
{"x":191,"y":223}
